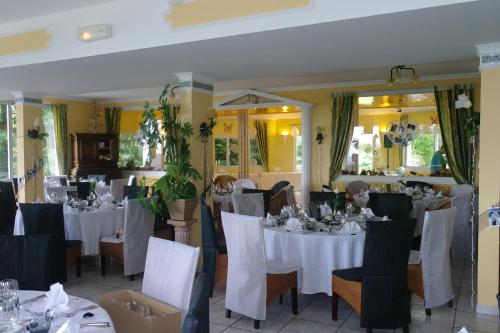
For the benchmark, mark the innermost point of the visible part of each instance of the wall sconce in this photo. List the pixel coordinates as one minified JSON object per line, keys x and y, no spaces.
{"x":285,"y":134}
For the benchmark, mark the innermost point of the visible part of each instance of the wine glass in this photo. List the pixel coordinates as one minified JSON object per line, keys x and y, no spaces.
{"x":9,"y":302}
{"x":350,"y":208}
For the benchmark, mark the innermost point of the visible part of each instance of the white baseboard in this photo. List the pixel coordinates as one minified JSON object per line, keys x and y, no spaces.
{"x":489,"y":310}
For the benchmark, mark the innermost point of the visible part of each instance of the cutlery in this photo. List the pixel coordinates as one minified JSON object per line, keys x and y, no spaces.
{"x":72,"y":313}
{"x":103,"y":324}
{"x":32,"y":300}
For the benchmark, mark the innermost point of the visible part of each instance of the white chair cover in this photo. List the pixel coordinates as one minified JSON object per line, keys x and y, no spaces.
{"x":246,"y":287}
{"x":461,"y":244}
{"x":251,"y":204}
{"x":116,"y":186}
{"x":435,"y":256}
{"x":356,"y":186}
{"x":138,"y":228}
{"x":131,"y":180}
{"x":169,"y":273}
{"x":240,"y":184}
{"x":290,"y":195}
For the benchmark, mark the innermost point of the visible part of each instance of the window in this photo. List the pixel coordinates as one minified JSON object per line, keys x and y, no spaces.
{"x":50,"y":163}
{"x":130,"y":153}
{"x":254,"y":152}
{"x":419,"y":152}
{"x":226,"y":151}
{"x":298,"y":153}
{"x":8,"y":151}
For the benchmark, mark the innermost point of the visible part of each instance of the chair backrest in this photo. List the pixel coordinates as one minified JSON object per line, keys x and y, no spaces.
{"x":384,"y":295}
{"x":53,"y":181}
{"x":290,"y":195}
{"x":131,"y":192}
{"x":414,"y":184}
{"x":278,"y":201}
{"x":278,"y":186}
{"x":251,"y":204}
{"x":396,"y":206}
{"x":138,"y":227}
{"x":461,"y":244}
{"x":83,"y":189}
{"x":208,"y":240}
{"x":169,"y":273}
{"x":132,"y":180}
{"x":326,"y":188}
{"x":246,"y":275}
{"x":197,"y":317}
{"x":319,"y":198}
{"x":437,"y":234}
{"x":240,"y":184}
{"x":267,"y":194}
{"x":223,"y":181}
{"x":462,"y":189}
{"x":97,"y":178}
{"x":48,"y":219}
{"x":116,"y":187}
{"x":26,"y":259}
{"x":8,"y":207}
{"x":355,"y":187}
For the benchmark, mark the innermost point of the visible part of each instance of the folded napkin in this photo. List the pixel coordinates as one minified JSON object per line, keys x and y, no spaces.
{"x":350,"y":228}
{"x":325,"y":210}
{"x":439,"y":195}
{"x":385,"y":218}
{"x":367,"y":212}
{"x":56,"y":297}
{"x":463,"y":330}
{"x":293,"y":224}
{"x":270,"y":220}
{"x":100,"y":184}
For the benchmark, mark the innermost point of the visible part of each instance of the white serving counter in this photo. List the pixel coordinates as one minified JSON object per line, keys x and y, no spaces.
{"x":395,"y":179}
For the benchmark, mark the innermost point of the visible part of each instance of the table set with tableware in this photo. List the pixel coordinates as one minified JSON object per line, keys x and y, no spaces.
{"x":52,"y":311}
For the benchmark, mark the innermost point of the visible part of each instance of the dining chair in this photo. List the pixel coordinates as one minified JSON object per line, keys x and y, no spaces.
{"x":290,"y":195}
{"x":223,"y":181}
{"x":277,"y":202}
{"x":240,"y":184}
{"x":378,"y":290}
{"x":197,"y":316}
{"x":45,"y":218}
{"x":116,"y":187}
{"x":267,"y":195}
{"x":415,"y":183}
{"x":169,"y":273}
{"x":8,"y":207}
{"x":252,"y":281}
{"x":278,"y":186}
{"x":28,"y":260}
{"x":396,"y":206}
{"x":51,"y":182}
{"x":214,"y":254}
{"x":461,"y":198}
{"x":130,"y":249}
{"x":355,"y":187}
{"x":132,"y":192}
{"x":429,"y":270}
{"x":251,"y":204}
{"x":318,"y":198}
{"x":83,"y":189}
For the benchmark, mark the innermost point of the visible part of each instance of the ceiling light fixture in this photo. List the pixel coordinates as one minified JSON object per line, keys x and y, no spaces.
{"x":94,"y":32}
{"x":397,"y":74}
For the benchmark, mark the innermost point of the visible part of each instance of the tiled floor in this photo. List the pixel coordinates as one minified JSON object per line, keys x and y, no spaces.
{"x":314,"y":310}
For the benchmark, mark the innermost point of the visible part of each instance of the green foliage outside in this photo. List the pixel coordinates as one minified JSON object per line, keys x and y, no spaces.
{"x":130,"y":153}
{"x":365,"y":156}
{"x":3,"y":139}
{"x":220,"y":152}
{"x":423,"y":147}
{"x":254,"y":151}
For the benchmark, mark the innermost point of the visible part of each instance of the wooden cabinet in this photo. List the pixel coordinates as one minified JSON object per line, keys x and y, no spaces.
{"x":95,"y":154}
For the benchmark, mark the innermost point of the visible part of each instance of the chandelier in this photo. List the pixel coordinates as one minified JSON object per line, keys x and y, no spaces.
{"x":397,"y":74}
{"x":402,"y":132}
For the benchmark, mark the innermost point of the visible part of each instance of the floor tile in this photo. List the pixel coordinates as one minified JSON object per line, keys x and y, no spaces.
{"x":273,"y":323}
{"x":214,"y":328}
{"x":477,"y":321}
{"x":298,"y":325}
{"x":218,"y":315}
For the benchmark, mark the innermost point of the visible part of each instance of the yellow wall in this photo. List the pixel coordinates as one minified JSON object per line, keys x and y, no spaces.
{"x":489,"y":187}
{"x":78,"y":114}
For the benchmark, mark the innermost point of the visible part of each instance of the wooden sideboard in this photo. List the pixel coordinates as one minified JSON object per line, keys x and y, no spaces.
{"x":95,"y":154}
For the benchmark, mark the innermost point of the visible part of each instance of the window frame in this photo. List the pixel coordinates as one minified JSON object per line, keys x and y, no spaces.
{"x":228,"y":151}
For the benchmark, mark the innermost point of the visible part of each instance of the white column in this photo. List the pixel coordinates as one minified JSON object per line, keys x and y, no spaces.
{"x":306,"y":154}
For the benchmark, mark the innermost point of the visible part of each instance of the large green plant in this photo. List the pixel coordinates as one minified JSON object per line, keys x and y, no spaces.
{"x":179,"y":172}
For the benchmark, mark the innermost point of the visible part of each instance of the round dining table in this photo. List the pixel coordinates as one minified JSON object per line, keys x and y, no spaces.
{"x":315,"y":254}
{"x":89,"y":226}
{"x":71,"y":324}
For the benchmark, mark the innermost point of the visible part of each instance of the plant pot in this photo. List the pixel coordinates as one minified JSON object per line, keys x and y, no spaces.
{"x":182,"y":209}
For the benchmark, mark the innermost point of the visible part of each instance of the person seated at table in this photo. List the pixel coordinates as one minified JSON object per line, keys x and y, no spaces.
{"x":438,"y":160}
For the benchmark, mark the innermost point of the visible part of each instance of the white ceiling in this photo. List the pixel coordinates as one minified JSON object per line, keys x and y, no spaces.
{"x":14,"y":10}
{"x":434,"y":35}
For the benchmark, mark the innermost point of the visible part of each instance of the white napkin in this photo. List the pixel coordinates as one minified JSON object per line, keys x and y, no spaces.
{"x":367,"y":212}
{"x":463,"y":330}
{"x":439,"y":195}
{"x":325,"y":210}
{"x":350,"y":228}
{"x":385,"y":218}
{"x":100,"y":184}
{"x":56,"y":296}
{"x":270,"y":220}
{"x":293,"y":224}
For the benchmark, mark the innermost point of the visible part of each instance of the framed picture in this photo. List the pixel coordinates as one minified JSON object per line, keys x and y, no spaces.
{"x":494,"y":216}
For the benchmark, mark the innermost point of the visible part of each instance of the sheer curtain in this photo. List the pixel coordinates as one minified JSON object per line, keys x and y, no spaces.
{"x":261,"y":127}
{"x":59,"y":115}
{"x":344,"y":117}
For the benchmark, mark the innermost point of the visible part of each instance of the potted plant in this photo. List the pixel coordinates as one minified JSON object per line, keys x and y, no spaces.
{"x":175,"y":187}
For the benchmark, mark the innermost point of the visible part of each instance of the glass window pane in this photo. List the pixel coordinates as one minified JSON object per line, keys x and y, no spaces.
{"x":298,"y":153}
{"x":130,"y":153}
{"x":366,"y":152}
{"x":254,"y":152}
{"x":233,"y":152}
{"x":220,"y":151}
{"x":4,"y":158}
{"x":50,"y":165}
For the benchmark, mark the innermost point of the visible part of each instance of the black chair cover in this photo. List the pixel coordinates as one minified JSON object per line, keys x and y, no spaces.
{"x":63,"y":181}
{"x":267,"y":197}
{"x":197,"y":316}
{"x":318,"y":198}
{"x":397,"y":206}
{"x":326,"y":188}
{"x":385,"y":300}
{"x":26,"y":259}
{"x":48,"y":219}
{"x":131,"y":191}
{"x":413,"y":183}
{"x":278,"y":186}
{"x":83,"y":189}
{"x":8,"y":208}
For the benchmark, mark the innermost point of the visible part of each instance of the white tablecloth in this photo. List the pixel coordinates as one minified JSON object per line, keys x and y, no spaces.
{"x":89,"y":227}
{"x":316,"y":254}
{"x":100,"y":315}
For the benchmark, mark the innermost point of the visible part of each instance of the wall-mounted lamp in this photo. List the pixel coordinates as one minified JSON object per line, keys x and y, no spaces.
{"x":284,"y":108}
{"x":285,"y":134}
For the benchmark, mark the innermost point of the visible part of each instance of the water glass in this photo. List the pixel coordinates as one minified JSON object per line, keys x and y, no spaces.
{"x":9,"y":302}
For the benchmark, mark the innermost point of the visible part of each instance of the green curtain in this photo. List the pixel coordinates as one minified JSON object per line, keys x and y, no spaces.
{"x":456,"y":139}
{"x":344,"y":118}
{"x":113,"y":116}
{"x":60,"y":117}
{"x":261,"y":137}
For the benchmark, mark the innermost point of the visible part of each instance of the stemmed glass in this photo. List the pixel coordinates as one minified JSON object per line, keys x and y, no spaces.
{"x":9,"y":302}
{"x":350,"y":208}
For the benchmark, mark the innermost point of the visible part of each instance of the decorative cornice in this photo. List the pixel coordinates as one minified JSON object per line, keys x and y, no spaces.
{"x":489,"y":55}
{"x":24,"y":98}
{"x":196,"y":82}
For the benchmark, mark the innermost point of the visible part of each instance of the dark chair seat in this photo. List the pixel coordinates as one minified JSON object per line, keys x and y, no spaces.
{"x":70,"y":243}
{"x":222,"y":248}
{"x":350,"y":274}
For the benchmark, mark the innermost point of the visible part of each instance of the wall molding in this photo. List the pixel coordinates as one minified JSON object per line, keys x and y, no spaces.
{"x":485,"y":309}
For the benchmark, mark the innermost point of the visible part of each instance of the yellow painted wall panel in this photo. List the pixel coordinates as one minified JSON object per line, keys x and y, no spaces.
{"x":24,"y":42}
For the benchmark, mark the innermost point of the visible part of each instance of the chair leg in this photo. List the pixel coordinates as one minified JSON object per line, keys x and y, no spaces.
{"x":335,"y":306}
{"x":256,"y":324}
{"x":281,"y":299}
{"x":228,"y":313}
{"x":103,"y":264}
{"x":132,"y":277}
{"x":450,"y":304}
{"x":428,"y":312}
{"x":79,"y":266}
{"x":406,"y":329}
{"x":295,"y":310}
